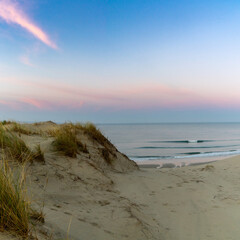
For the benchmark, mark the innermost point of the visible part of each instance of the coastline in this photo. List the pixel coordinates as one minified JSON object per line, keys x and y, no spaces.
{"x":173,"y":163}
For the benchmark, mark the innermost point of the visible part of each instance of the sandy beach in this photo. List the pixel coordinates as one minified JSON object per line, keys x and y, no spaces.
{"x":197,"y":202}
{"x":84,"y":197}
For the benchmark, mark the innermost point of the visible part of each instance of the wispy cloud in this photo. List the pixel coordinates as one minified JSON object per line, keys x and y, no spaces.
{"x":59,"y":96}
{"x":25,"y":60}
{"x":47,"y":96}
{"x":11,"y":12}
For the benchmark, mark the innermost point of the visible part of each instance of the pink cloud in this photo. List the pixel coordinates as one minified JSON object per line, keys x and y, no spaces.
{"x":50,"y":96}
{"x":34,"y":102}
{"x":25,"y":60}
{"x":11,"y":12}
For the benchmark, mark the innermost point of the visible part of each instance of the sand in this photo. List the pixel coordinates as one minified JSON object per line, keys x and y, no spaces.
{"x":197,"y":202}
{"x":86,"y":199}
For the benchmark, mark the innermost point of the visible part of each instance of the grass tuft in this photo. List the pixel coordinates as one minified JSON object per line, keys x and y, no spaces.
{"x":14,"y":210}
{"x":19,"y":129}
{"x":66,"y":141}
{"x":37,"y":215}
{"x":38,"y":154}
{"x":15,"y":147}
{"x":5,"y":122}
{"x":106,"y":155}
{"x":95,"y":133}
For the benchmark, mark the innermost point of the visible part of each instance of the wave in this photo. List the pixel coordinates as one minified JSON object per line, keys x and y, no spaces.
{"x":153,"y":147}
{"x":184,"y":141}
{"x":194,"y":141}
{"x":145,"y":158}
{"x":211,"y":154}
{"x":191,"y":153}
{"x":188,"y":155}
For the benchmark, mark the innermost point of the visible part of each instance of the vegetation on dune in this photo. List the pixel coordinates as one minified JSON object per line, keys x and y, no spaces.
{"x":37,"y":215}
{"x":95,"y":134}
{"x":38,"y":154}
{"x":5,"y":122}
{"x":16,"y":148}
{"x":14,"y":210}
{"x":106,"y":155}
{"x":20,"y":129}
{"x":66,"y":141}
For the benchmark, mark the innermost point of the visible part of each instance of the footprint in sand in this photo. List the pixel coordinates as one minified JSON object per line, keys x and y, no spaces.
{"x":67,"y":213}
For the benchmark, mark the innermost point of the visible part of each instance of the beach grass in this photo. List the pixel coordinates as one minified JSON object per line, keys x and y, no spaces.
{"x":94,"y":132}
{"x":16,"y":148}
{"x":66,"y":141}
{"x":38,"y":154}
{"x":14,"y":210}
{"x":20,"y":129}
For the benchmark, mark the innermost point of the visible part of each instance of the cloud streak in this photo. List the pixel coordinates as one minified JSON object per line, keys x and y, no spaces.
{"x":45,"y":96}
{"x":11,"y":12}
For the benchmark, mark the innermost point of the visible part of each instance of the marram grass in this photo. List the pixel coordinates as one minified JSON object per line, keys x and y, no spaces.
{"x":16,"y":148}
{"x":14,"y":209}
{"x":66,"y":141}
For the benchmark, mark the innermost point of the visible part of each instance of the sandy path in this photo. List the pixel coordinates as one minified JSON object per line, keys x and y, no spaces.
{"x":188,"y":203}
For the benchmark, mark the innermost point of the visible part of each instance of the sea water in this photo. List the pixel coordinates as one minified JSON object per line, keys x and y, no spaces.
{"x":177,"y":143}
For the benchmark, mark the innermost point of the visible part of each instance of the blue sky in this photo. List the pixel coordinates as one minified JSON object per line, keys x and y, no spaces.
{"x":120,"y":61}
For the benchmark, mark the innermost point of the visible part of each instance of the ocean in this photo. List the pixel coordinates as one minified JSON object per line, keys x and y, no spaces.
{"x":175,"y":143}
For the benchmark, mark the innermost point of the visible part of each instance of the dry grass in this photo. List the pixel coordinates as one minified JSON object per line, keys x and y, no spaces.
{"x":18,"y":128}
{"x":106,"y":155}
{"x":66,"y":141}
{"x":5,"y":122}
{"x":14,"y":210}
{"x":15,"y":147}
{"x":94,"y":133}
{"x":37,"y":215}
{"x":38,"y":154}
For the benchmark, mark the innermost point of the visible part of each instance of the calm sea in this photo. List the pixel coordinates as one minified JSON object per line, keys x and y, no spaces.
{"x":175,"y":143}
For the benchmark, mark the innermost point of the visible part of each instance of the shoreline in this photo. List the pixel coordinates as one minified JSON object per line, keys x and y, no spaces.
{"x":175,"y":163}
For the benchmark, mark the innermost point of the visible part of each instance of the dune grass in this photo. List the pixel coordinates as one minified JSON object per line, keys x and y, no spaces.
{"x":5,"y":122}
{"x":14,"y":209}
{"x":38,"y":154}
{"x":94,"y":133}
{"x":66,"y":141}
{"x":16,"y":148}
{"x":20,"y":129}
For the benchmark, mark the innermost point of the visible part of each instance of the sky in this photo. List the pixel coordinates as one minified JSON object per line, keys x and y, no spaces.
{"x":120,"y":61}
